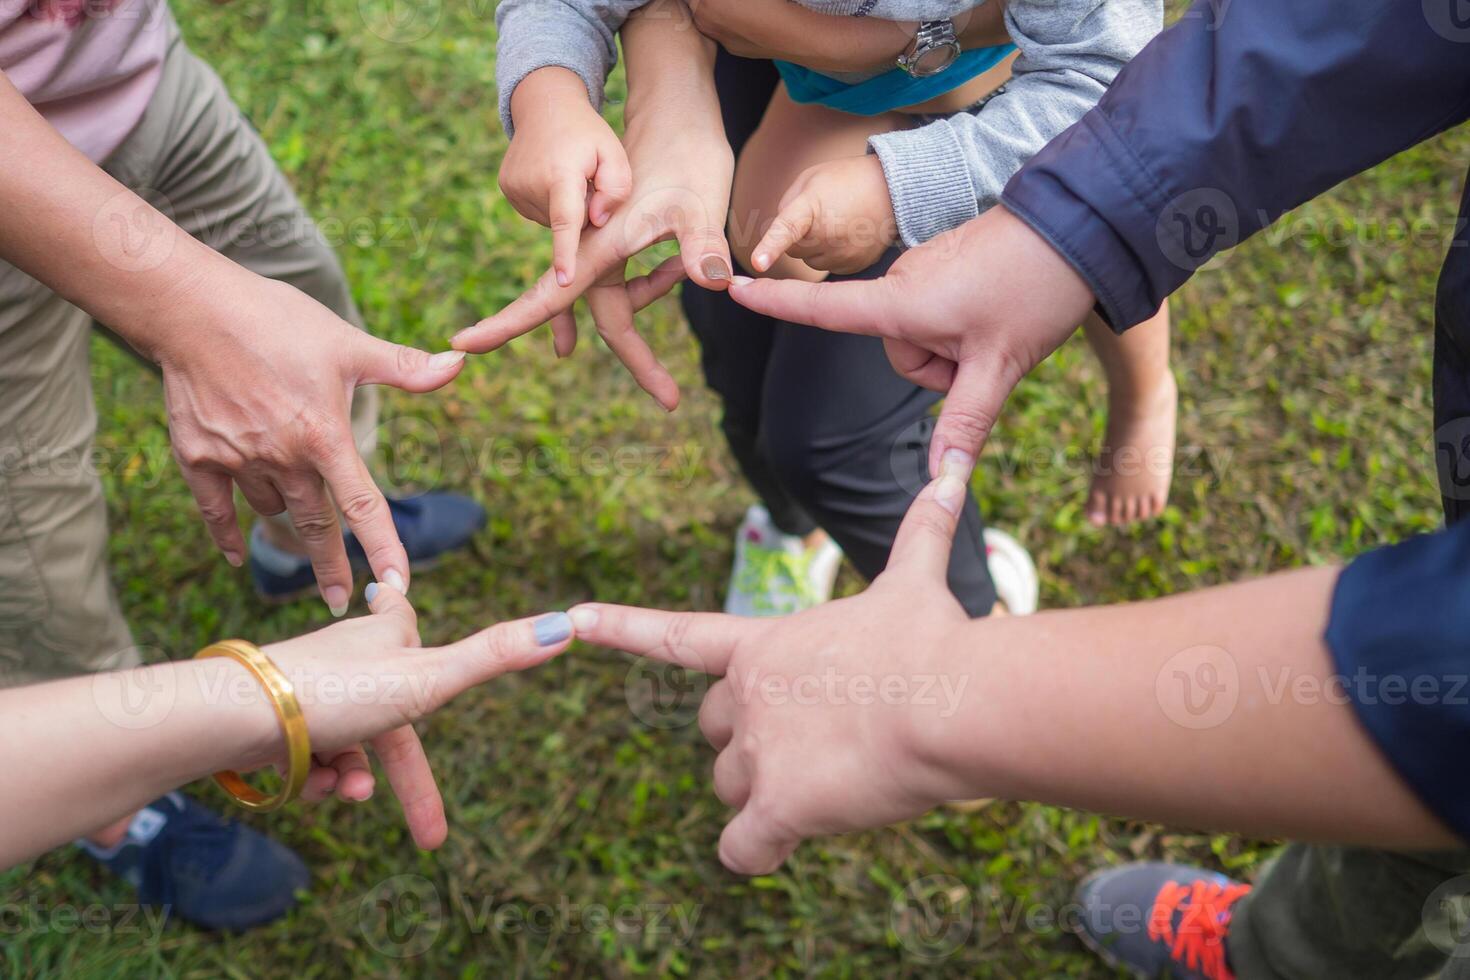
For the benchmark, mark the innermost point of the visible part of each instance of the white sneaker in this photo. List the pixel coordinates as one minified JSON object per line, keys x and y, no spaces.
{"x":774,"y":573}
{"x":1013,"y":572}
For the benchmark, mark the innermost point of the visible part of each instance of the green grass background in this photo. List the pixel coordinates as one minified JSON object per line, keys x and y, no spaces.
{"x":1304,"y":364}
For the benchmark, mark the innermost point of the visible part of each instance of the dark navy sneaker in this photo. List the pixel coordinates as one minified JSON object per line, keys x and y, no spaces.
{"x":213,"y":873}
{"x":1160,"y":920}
{"x":428,"y":525}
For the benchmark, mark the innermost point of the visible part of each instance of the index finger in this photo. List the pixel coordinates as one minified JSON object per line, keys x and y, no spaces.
{"x":789,"y":227}
{"x":366,"y":512}
{"x":596,"y":254}
{"x":697,"y":641}
{"x":864,"y":306}
{"x":567,"y":214}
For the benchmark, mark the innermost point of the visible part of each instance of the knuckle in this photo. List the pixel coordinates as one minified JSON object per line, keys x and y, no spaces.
{"x":314,"y":527}
{"x":216,"y":512}
{"x":676,"y":634}
{"x":359,"y":505}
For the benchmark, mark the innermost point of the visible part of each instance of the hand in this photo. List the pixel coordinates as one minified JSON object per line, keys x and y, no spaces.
{"x":560,"y":146}
{"x":969,"y":312}
{"x":821,"y":718}
{"x":681,"y":190}
{"x":367,"y":679}
{"x":258,"y":378}
{"x":836,"y":216}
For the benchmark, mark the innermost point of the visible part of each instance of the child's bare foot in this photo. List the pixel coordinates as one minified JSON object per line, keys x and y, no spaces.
{"x":1130,"y":480}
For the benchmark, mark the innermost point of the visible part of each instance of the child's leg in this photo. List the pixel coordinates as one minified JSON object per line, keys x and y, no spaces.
{"x":1130,"y":481}
{"x":791,"y":138}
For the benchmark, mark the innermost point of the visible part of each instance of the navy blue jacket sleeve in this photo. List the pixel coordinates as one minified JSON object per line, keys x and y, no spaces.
{"x":1239,"y":112}
{"x":1399,"y":632}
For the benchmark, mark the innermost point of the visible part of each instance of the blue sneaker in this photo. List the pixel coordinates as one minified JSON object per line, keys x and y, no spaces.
{"x":428,"y":525}
{"x":1160,"y":920}
{"x":191,"y":863}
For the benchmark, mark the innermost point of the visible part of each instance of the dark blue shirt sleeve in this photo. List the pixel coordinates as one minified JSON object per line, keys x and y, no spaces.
{"x":1399,"y":633}
{"x":1239,"y":112}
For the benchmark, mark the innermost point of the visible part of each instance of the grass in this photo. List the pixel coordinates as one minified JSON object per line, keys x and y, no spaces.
{"x":1304,"y":362}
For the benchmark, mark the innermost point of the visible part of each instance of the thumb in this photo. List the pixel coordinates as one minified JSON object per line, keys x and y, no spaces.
{"x":388,"y":602}
{"x":380,"y":362}
{"x":864,"y":306}
{"x":502,"y":649}
{"x":751,"y":845}
{"x":925,"y":538}
{"x":970,"y":410}
{"x":706,"y":255}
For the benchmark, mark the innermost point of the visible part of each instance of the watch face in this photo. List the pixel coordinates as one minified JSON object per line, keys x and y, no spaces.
{"x":935,"y":59}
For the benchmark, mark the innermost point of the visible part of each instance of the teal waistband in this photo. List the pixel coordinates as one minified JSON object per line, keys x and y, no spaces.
{"x":891,"y":90}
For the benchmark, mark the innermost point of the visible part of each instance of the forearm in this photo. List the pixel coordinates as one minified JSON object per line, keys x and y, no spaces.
{"x":578,"y":35}
{"x":96,"y":243}
{"x":1214,"y":709}
{"x":77,"y":754}
{"x":952,"y":170}
{"x":670,"y":67}
{"x":1225,"y":122}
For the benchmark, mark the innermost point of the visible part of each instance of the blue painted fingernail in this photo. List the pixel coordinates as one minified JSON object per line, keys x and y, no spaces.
{"x":552,"y":629}
{"x":371,"y":592}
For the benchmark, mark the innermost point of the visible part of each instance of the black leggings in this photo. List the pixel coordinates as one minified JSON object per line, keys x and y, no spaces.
{"x":825,"y":430}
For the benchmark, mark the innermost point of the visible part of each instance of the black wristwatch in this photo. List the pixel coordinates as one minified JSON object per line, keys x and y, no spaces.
{"x":933,"y":49}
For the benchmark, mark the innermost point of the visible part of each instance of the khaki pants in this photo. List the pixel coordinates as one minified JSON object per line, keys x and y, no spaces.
{"x":195,"y":157}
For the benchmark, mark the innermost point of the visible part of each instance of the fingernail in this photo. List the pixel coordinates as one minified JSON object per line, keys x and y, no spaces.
{"x":446,"y":360}
{"x":552,"y":628}
{"x":336,"y":599}
{"x":562,"y":279}
{"x":741,"y":280}
{"x":584,"y":618}
{"x":394,"y":581}
{"x":363,"y":797}
{"x":956,"y":462}
{"x":760,"y":261}
{"x":715,"y":267}
{"x":371,"y":592}
{"x":949,"y":490}
{"x":233,"y":557}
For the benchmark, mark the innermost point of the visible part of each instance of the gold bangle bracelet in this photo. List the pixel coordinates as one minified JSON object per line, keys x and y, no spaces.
{"x":293,"y":725}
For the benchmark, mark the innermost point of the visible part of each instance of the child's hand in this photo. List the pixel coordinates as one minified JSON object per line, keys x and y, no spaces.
{"x":561,"y":145}
{"x":836,"y":217}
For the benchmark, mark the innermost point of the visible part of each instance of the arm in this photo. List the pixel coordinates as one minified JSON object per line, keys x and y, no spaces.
{"x":943,"y":174}
{"x":828,"y":42}
{"x":681,"y":167}
{"x":77,"y":754}
{"x":1213,"y":709}
{"x":1224,"y":123}
{"x":578,"y":35}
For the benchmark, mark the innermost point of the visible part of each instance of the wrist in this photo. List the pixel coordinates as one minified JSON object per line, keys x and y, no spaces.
{"x":937,"y":742}
{"x":545,"y":93}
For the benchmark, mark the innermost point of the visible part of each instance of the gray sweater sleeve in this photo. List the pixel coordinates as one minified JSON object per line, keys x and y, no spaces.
{"x":578,"y":35}
{"x":949,"y":171}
